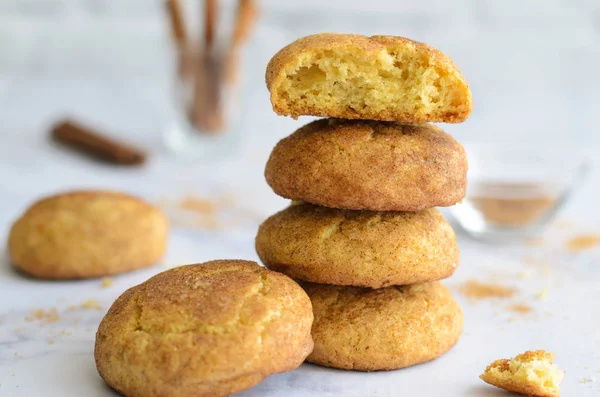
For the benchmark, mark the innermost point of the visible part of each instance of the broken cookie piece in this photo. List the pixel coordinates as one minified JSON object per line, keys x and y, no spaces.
{"x":531,"y":373}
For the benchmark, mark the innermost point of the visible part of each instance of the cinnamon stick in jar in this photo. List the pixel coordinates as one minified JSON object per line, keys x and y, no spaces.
{"x":177,"y":23}
{"x":247,"y":15}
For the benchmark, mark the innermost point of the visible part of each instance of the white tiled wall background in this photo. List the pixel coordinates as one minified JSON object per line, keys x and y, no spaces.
{"x":533,"y":65}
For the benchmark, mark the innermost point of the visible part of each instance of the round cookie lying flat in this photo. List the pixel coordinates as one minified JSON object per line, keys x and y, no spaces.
{"x":359,"y":248}
{"x":368,"y":165}
{"x":388,"y":328}
{"x":204,"y":330}
{"x":87,"y":234}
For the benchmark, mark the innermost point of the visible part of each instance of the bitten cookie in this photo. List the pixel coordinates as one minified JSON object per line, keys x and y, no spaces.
{"x":366,"y":165}
{"x":87,"y":234}
{"x":204,"y":330}
{"x":377,"y":78}
{"x":359,"y":248}
{"x":382,"y":329}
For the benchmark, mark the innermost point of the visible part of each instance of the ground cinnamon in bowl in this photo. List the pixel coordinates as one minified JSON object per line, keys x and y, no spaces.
{"x":513,"y":204}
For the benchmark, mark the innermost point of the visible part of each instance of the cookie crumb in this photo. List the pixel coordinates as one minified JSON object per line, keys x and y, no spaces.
{"x":91,"y":304}
{"x":536,"y":242}
{"x":44,"y":316}
{"x":526,"y":274}
{"x":523,"y":309}
{"x":530,"y":373}
{"x":51,"y":341}
{"x":476,"y":290}
{"x":542,"y":294}
{"x":106,"y":282}
{"x":583,"y":242}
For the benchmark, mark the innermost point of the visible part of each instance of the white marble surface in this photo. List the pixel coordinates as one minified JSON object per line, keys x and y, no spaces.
{"x":530,"y":72}
{"x":41,"y":358}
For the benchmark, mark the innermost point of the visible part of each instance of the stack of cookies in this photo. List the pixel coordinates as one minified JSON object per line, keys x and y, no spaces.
{"x":363,"y":234}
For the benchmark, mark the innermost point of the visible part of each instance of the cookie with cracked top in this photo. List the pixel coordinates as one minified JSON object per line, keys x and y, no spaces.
{"x":358,"y":248}
{"x":369,"y":165}
{"x":389,"y":328}
{"x":204,"y":330}
{"x":85,"y":234}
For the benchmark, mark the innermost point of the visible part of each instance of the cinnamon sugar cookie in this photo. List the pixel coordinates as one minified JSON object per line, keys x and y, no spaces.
{"x":367,"y":165}
{"x":204,"y":330}
{"x":367,"y":330}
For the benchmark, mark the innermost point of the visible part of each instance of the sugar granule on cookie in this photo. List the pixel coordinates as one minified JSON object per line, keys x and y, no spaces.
{"x":530,"y":373}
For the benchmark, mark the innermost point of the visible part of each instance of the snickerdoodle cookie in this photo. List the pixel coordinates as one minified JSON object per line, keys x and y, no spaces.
{"x":388,"y":328}
{"x":532,"y":374}
{"x":368,"y":165}
{"x":204,"y":330}
{"x":87,"y":234}
{"x":359,"y":248}
{"x":377,"y":78}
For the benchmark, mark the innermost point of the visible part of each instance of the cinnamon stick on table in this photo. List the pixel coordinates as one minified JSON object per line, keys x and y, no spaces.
{"x":94,"y":144}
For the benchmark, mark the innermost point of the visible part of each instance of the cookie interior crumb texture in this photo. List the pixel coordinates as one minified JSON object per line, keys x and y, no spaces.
{"x":531,"y":373}
{"x":358,"y":77}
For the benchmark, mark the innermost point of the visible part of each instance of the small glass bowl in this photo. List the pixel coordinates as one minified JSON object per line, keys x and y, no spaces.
{"x":514,"y":191}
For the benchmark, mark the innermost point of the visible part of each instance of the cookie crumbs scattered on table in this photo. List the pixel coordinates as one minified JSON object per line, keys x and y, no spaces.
{"x":520,"y":308}
{"x":475,"y":290}
{"x":542,"y":294}
{"x":583,"y":242}
{"x":526,"y":275}
{"x":106,"y":282}
{"x":44,"y":316}
{"x":91,"y":304}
